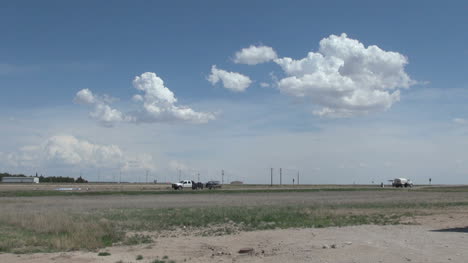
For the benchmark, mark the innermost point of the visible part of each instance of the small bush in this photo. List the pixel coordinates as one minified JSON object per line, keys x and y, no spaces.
{"x":139,"y":257}
{"x":103,"y":254}
{"x":138,"y":239}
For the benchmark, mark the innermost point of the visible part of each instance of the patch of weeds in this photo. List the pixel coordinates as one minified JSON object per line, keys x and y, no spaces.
{"x":27,"y":232}
{"x":103,"y":254}
{"x":138,"y":239}
{"x":165,"y":257}
{"x":139,"y":257}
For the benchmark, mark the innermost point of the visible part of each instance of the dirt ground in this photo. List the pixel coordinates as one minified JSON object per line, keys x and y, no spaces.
{"x":440,"y":237}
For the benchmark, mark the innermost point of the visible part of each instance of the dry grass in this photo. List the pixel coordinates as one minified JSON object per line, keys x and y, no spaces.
{"x":54,"y":231}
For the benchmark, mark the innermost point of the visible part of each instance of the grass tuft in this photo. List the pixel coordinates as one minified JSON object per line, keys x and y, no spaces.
{"x":137,"y":239}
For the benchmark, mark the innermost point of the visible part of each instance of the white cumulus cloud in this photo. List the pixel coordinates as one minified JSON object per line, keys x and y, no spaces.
{"x":85,"y":96}
{"x":345,"y":78}
{"x":255,"y":55}
{"x":157,"y":105}
{"x":231,"y":80}
{"x":102,"y":112}
{"x":69,"y":151}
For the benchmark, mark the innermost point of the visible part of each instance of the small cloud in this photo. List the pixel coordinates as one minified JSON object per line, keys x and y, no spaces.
{"x":231,"y":80}
{"x":255,"y":55}
{"x":460,"y":121}
{"x":102,"y":112}
{"x":264,"y":85}
{"x":84,"y":96}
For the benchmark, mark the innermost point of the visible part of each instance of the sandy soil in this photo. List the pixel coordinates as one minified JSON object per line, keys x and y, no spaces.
{"x":442,"y":238}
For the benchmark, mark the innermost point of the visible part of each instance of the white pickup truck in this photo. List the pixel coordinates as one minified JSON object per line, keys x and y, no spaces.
{"x":183,"y":184}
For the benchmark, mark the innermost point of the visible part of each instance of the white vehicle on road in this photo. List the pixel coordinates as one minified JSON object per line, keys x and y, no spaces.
{"x":402,"y":182}
{"x":183,"y":184}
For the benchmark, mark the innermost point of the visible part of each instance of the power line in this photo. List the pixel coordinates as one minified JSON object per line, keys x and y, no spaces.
{"x":281,"y":177}
{"x":271,"y":175}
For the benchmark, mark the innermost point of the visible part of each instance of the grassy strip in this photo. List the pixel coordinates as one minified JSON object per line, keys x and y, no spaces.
{"x":242,"y":218}
{"x":37,"y":193}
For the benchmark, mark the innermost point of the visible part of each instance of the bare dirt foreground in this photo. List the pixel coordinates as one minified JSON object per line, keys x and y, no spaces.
{"x":438,"y":236}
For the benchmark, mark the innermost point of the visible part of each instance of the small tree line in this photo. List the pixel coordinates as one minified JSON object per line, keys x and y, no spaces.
{"x":48,"y":179}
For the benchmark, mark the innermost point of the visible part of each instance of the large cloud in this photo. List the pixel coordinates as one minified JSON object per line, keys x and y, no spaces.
{"x":67,"y":150}
{"x":157,"y":105}
{"x":255,"y":55}
{"x":344,"y":78}
{"x":231,"y":80}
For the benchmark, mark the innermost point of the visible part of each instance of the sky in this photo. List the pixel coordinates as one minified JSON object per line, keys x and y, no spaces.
{"x":340,"y":92}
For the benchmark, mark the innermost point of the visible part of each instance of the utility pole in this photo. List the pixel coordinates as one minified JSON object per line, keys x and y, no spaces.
{"x":281,"y":177}
{"x":222,"y":176}
{"x":179,"y":174}
{"x":297,"y":177}
{"x":146,"y":176}
{"x":120,"y":178}
{"x":198,"y":177}
{"x":271,"y":174}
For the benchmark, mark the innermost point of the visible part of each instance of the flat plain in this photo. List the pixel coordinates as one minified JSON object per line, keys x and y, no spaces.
{"x":311,"y":223}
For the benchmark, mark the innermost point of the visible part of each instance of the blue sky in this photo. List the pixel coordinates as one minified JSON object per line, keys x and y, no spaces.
{"x":53,"y":49}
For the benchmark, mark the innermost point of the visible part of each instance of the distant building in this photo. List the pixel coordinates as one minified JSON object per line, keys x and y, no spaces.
{"x":237,"y":182}
{"x":25,"y":180}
